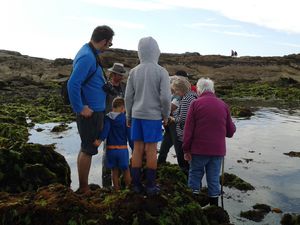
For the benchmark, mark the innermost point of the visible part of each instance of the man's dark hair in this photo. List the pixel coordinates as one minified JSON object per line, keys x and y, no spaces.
{"x":102,"y":33}
{"x":181,"y":73}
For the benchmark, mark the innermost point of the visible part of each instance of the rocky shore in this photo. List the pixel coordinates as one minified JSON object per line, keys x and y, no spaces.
{"x":35,"y":180}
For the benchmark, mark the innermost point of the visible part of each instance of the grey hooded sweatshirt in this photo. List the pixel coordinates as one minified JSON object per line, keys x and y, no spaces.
{"x":148,"y":92}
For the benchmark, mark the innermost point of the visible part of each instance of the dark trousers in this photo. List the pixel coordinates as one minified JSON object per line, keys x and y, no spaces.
{"x":183,"y":164}
{"x":169,"y":139}
{"x":106,"y":172}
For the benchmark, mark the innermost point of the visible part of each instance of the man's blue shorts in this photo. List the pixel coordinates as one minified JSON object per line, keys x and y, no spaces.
{"x":148,"y":131}
{"x":117,"y":158}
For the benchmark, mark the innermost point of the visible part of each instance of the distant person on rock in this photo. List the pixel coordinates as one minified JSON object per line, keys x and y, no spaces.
{"x":116,"y":75}
{"x":88,"y":99}
{"x":116,"y":134}
{"x":208,"y":123}
{"x":148,"y":102}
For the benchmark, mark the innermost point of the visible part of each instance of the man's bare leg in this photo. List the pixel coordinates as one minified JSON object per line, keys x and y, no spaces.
{"x":83,"y":165}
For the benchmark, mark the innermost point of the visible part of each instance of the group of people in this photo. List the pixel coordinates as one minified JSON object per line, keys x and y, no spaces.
{"x":195,"y":121}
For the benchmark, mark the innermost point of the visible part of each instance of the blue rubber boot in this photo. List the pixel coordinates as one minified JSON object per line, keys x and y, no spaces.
{"x":152,"y":188}
{"x":136,"y":180}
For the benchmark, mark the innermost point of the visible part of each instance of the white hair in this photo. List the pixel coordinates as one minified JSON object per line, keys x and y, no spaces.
{"x":205,"y":84}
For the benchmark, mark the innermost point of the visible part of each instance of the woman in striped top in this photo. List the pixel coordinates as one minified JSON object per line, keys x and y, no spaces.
{"x":182,"y":88}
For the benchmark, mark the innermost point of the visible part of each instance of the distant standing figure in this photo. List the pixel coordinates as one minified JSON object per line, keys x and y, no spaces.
{"x":208,"y":123}
{"x":117,"y":135}
{"x":148,"y":102}
{"x":88,"y":99}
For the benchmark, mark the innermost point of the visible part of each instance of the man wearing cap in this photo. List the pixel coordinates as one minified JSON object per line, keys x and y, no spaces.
{"x":117,"y":74}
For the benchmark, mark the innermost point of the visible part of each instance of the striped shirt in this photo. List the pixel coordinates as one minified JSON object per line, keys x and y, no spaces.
{"x":181,"y":113}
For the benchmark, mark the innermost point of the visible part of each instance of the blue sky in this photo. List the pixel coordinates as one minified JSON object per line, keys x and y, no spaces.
{"x":58,"y":28}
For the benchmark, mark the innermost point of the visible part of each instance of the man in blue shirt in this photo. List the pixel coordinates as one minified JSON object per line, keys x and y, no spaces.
{"x":88,"y":99}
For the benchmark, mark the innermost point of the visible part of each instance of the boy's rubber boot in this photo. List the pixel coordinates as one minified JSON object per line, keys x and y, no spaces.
{"x":152,"y":188}
{"x":136,"y":180}
{"x":214,"y":201}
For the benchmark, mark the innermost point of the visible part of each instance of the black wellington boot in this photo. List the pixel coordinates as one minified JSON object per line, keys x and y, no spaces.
{"x":213,"y":201}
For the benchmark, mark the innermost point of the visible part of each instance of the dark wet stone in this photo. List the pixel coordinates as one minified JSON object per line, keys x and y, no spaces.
{"x":290,"y":219}
{"x":59,"y":128}
{"x":231,"y":180}
{"x":293,"y":154}
{"x":254,"y":215}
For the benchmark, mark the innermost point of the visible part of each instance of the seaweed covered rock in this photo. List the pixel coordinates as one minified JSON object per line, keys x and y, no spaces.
{"x":290,"y":219}
{"x":238,"y":111}
{"x":26,"y":167}
{"x":292,"y":154}
{"x":258,"y":214}
{"x":58,"y":204}
{"x":231,"y":180}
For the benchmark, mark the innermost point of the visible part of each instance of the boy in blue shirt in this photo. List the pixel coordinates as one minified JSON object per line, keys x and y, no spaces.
{"x":116,"y":134}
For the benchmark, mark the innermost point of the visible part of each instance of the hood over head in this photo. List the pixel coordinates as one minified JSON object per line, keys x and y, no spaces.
{"x":148,"y":50}
{"x":113,"y":115}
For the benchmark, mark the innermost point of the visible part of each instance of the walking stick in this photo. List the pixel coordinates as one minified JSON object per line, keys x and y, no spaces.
{"x":222,"y":183}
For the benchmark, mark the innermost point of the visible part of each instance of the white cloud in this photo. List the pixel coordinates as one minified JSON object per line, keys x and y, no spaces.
{"x":132,"y":4}
{"x":281,"y":15}
{"x":241,"y":34}
{"x":110,"y":22}
{"x":288,"y":44}
{"x":212,"y":25}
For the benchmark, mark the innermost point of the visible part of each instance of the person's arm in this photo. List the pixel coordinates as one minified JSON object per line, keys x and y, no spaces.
{"x":81,"y":69}
{"x":184,"y":107}
{"x":129,"y":96}
{"x":188,"y":130}
{"x":230,"y":127}
{"x":106,"y":128}
{"x":128,"y":134}
{"x":165,"y":95}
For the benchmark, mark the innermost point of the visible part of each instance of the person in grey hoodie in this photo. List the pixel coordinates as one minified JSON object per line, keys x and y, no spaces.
{"x":148,"y":103}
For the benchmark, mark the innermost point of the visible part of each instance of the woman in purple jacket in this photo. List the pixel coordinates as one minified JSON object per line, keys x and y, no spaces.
{"x":208,"y":123}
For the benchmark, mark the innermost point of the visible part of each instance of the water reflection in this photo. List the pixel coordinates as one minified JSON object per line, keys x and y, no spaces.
{"x":263,"y":138}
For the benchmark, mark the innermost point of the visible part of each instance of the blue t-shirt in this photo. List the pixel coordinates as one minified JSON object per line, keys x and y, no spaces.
{"x":91,"y":93}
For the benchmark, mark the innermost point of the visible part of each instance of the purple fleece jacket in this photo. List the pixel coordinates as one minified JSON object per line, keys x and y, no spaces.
{"x":208,"y":123}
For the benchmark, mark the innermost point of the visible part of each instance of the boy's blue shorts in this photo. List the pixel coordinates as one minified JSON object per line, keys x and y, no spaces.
{"x":117,"y":158}
{"x":148,"y":131}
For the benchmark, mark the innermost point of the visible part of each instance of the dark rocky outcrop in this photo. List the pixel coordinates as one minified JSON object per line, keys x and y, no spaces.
{"x":217,"y":67}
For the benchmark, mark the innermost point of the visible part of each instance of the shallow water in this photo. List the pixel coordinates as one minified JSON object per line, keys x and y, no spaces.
{"x":263,"y":138}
